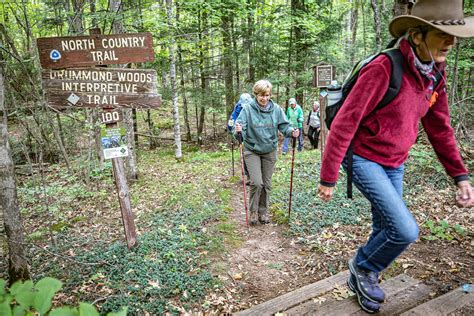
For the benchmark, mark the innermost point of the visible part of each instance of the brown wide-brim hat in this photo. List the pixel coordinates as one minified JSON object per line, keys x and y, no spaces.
{"x":443,"y":15}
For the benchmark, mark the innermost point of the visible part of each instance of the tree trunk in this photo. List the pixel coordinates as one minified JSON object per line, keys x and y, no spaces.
{"x":152,"y":141}
{"x":227,"y":61}
{"x":400,"y":7}
{"x":182,"y":84}
{"x":249,"y":41}
{"x":17,"y":263}
{"x":28,"y":31}
{"x":377,"y":24}
{"x":202,"y":29}
{"x":75,"y":20}
{"x":135,"y":126}
{"x":185,"y":100}
{"x":116,"y":7}
{"x":299,"y":10}
{"x":364,"y":31}
{"x":454,"y":83}
{"x":94,"y":113}
{"x":288,"y":66}
{"x":57,"y":136}
{"x":236,"y":58}
{"x":92,"y":8}
{"x":353,"y":29}
{"x":174,"y":88}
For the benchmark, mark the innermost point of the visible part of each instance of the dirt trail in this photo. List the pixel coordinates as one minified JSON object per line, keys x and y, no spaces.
{"x":266,"y":265}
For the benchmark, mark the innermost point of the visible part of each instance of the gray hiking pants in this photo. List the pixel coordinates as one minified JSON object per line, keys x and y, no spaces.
{"x":261,"y":169}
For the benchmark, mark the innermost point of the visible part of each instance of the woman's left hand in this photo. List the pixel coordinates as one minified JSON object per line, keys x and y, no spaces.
{"x":464,"y":196}
{"x":296,"y":133}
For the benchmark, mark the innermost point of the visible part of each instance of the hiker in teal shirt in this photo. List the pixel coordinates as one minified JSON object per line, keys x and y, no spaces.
{"x":294,"y":113}
{"x":259,"y":123}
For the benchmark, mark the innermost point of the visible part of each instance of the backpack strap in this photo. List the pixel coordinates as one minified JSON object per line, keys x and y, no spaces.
{"x":350,"y":155}
{"x":396,"y":59}
{"x":438,"y":77}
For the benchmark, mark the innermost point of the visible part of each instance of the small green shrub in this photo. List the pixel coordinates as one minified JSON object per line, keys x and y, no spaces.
{"x":442,"y":230}
{"x":26,"y":298}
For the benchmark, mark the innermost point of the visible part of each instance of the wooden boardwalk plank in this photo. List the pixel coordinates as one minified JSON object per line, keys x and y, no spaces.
{"x":404,"y":300}
{"x":397,"y":288}
{"x":298,"y":296}
{"x":444,"y":304}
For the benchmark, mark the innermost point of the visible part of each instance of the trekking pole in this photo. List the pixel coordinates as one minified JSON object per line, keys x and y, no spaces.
{"x":239,"y":137}
{"x":291,"y":178}
{"x":233,"y":163}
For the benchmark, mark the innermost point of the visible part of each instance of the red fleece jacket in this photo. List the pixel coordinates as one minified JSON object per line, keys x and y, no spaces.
{"x":386,"y":135}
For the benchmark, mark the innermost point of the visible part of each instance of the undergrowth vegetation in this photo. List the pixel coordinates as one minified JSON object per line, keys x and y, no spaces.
{"x":182,"y":214}
{"x":310,"y":214}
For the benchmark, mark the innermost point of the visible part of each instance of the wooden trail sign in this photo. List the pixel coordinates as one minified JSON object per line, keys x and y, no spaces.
{"x":322,"y":75}
{"x":84,"y":51}
{"x":101,"y":88}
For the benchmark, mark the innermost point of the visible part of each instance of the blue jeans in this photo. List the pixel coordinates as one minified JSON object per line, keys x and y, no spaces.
{"x":300,"y":142}
{"x":393,"y":226}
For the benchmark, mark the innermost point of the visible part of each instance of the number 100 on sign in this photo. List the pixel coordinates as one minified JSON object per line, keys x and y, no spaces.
{"x":108,"y":117}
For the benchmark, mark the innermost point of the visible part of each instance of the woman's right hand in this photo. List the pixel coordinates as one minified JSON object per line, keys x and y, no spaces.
{"x":325,"y":193}
{"x":465,"y":194}
{"x":238,"y":128}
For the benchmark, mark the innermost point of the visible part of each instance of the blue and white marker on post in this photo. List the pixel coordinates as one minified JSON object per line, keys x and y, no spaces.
{"x":55,"y":55}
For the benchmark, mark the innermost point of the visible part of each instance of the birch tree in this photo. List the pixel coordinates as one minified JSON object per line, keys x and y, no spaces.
{"x":174,"y":88}
{"x":117,"y":27}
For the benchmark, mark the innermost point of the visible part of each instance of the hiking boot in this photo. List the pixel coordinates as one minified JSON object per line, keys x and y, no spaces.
{"x":263,"y":219}
{"x":367,"y":305}
{"x":253,"y":218}
{"x":367,"y":283}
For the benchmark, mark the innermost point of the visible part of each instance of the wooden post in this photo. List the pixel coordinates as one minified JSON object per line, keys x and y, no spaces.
{"x":124,"y":199}
{"x":122,"y":190}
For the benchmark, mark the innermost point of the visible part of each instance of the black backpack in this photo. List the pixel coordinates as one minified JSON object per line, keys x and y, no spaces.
{"x":396,"y":59}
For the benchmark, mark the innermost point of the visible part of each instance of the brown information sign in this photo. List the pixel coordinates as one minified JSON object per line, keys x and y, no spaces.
{"x":84,"y":51}
{"x":323,"y":75}
{"x":101,"y":87}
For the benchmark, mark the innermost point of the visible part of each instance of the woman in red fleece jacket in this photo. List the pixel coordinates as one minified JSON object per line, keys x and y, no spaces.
{"x":382,"y":139}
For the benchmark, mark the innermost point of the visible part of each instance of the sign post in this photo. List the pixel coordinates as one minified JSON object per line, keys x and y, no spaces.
{"x":67,"y":86}
{"x":323,"y":74}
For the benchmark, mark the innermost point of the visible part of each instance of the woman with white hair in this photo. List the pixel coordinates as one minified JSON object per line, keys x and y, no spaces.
{"x":381,"y":139}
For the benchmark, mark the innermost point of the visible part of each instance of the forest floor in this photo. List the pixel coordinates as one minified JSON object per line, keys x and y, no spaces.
{"x":196,"y":254}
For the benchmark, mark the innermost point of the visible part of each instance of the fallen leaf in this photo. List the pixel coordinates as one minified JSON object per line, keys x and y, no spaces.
{"x":154,"y":284}
{"x":319,"y":300}
{"x":238,"y":276}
